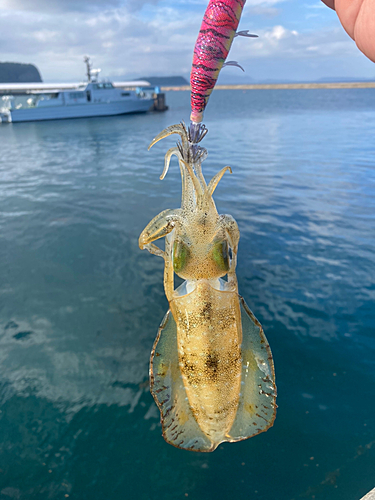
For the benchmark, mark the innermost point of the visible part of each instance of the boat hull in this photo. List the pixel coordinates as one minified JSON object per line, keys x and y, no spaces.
{"x":81,"y":110}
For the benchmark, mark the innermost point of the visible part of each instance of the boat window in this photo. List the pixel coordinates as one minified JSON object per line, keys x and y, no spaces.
{"x":104,"y":85}
{"x":124,"y":94}
{"x":76,"y":95}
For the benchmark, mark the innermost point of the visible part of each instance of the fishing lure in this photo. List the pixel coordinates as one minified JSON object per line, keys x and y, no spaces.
{"x":218,"y":29}
{"x":211,"y":369}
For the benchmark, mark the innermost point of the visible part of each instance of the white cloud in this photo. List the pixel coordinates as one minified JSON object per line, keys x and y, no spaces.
{"x":160,"y":41}
{"x":277,"y":33}
{"x":45,"y":36}
{"x":251,"y":3}
{"x":120,"y":42}
{"x":72,"y":5}
{"x":278,"y":41}
{"x":263,"y":8}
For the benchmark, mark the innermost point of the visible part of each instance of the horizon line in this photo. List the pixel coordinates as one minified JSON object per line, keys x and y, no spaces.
{"x":280,"y":86}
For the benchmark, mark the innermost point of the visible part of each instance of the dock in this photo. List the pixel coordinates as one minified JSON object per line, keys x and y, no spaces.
{"x":370,"y":495}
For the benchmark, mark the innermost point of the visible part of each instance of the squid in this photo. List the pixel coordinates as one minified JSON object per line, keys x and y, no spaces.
{"x":211,"y":370}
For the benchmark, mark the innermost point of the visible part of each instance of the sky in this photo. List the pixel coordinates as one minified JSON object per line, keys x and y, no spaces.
{"x":299,"y":40}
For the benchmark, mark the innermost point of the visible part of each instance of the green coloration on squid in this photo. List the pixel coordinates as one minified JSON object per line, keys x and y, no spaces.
{"x":220,"y":255}
{"x":181,"y":254}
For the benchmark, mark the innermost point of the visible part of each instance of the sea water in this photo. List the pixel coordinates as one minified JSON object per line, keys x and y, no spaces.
{"x":80,"y":304}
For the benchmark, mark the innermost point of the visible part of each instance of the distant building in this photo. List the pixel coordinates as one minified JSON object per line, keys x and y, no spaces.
{"x":19,"y":73}
{"x":166,"y":81}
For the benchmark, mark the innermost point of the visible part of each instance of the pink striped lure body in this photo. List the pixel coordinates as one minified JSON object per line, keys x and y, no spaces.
{"x":215,"y":38}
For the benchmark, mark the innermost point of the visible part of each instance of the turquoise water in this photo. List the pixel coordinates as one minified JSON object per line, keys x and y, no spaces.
{"x":80,"y":304}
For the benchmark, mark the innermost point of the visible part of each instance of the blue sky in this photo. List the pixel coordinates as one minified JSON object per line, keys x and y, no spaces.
{"x":299,"y":40}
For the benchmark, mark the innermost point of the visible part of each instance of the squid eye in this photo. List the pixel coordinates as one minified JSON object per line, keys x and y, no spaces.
{"x":181,"y":255}
{"x":220,"y":255}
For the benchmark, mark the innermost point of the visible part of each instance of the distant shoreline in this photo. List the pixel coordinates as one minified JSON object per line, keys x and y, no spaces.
{"x":280,"y":86}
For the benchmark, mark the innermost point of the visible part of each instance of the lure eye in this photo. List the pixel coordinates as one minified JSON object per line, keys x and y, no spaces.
{"x":181,"y":255}
{"x":220,"y":255}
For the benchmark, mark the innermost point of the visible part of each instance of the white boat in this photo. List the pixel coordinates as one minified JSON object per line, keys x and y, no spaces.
{"x":93,"y":98}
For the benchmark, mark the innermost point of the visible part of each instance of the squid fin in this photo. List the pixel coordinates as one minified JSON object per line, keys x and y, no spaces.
{"x":257,"y":407}
{"x":178,"y":422}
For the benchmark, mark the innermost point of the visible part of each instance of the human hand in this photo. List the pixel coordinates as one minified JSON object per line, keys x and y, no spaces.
{"x":358,"y":20}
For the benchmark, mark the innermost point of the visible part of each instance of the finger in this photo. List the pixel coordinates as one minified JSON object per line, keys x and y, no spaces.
{"x":364,"y":30}
{"x":358,"y":20}
{"x":348,"y":11}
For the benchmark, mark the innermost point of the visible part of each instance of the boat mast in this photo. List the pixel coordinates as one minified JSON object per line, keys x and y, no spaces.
{"x":88,"y":68}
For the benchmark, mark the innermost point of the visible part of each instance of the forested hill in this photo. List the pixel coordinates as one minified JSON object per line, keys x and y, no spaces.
{"x":18,"y":73}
